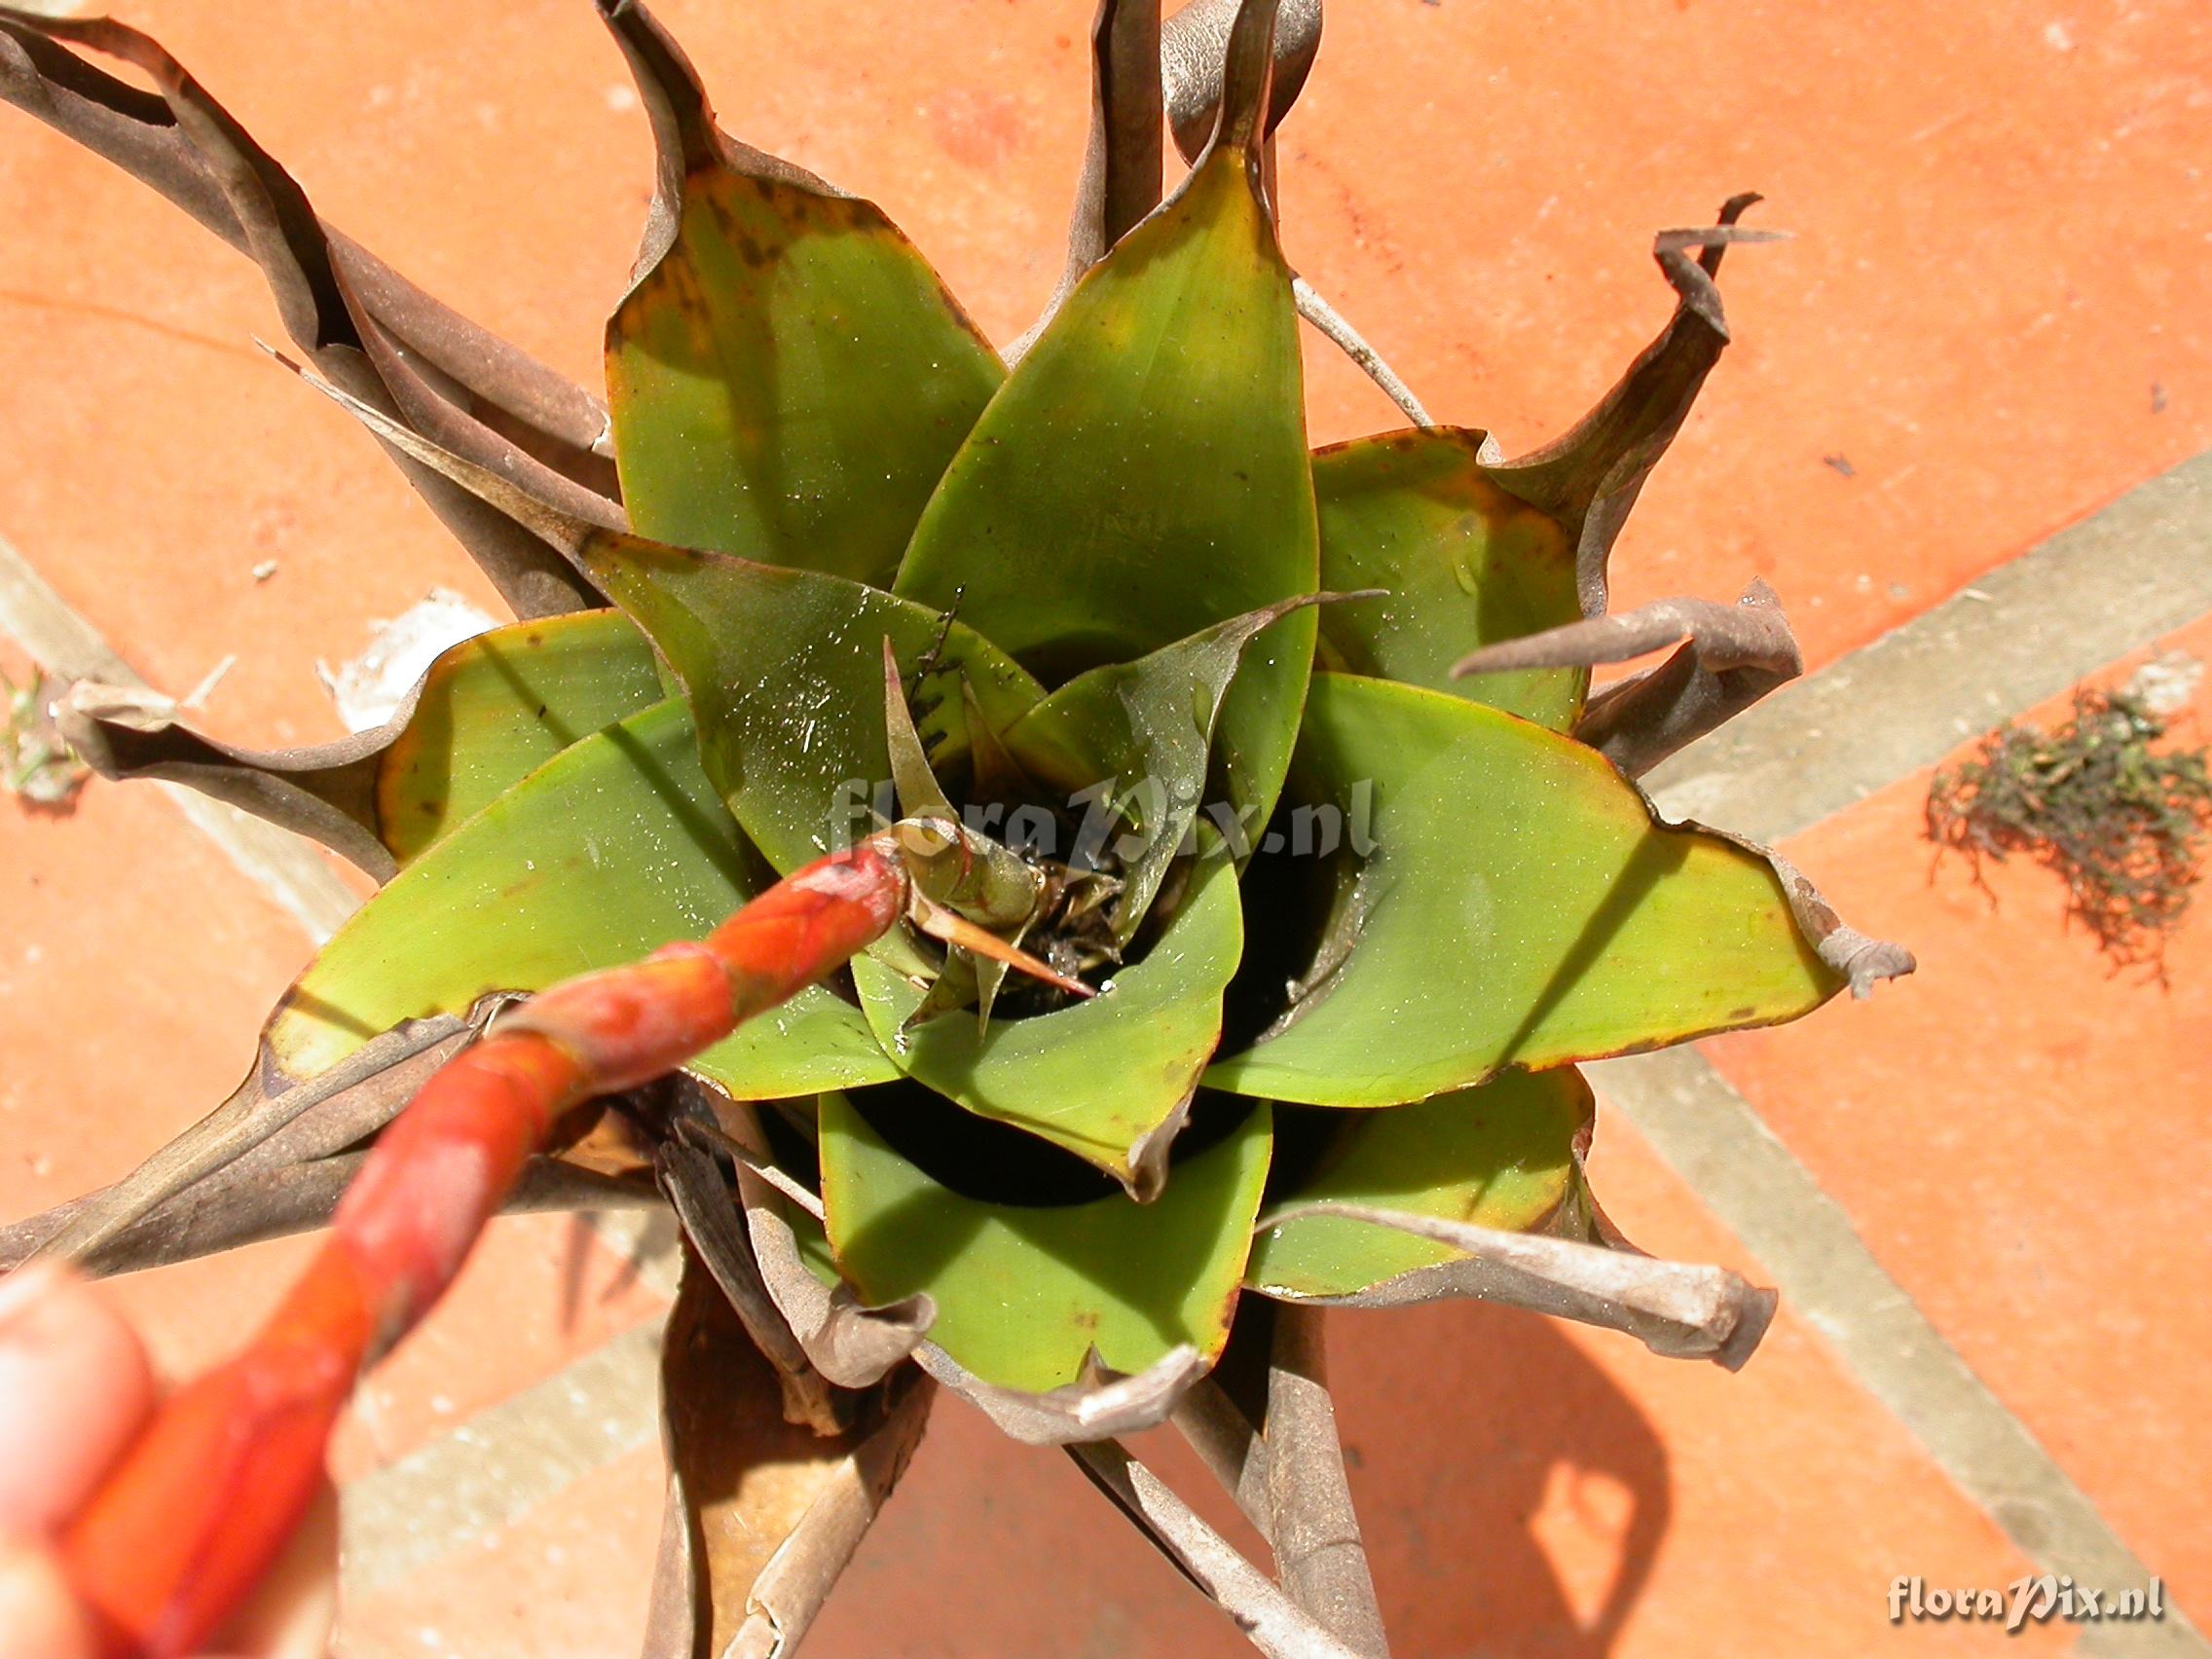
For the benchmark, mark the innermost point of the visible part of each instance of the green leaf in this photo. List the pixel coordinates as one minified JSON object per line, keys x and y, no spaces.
{"x":1518,"y":905}
{"x":1100,"y":1077}
{"x":1143,"y":474}
{"x":1023,"y":1292}
{"x":496,"y":707}
{"x":1501,"y":1154}
{"x":789,"y":382}
{"x":1467,"y":566}
{"x":612,"y":849}
{"x":784,"y":672}
{"x":1144,"y":729}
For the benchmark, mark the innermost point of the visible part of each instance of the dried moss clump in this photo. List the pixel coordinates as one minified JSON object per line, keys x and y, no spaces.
{"x":2125,"y":824}
{"x":35,"y":764}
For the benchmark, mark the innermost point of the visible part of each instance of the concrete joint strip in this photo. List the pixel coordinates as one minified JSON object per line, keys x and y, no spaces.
{"x":501,"y":1464}
{"x":1753,"y":1183}
{"x":2025,"y":631}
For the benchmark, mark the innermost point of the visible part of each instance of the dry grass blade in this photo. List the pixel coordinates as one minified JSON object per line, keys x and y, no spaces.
{"x":1675,"y":1308}
{"x":1340,"y":334}
{"x":1270,"y":1619}
{"x":38,"y":764}
{"x":1311,"y":1523}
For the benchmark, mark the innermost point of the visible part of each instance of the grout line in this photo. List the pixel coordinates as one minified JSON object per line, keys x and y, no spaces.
{"x":502,"y":1464}
{"x":1743,"y":1173}
{"x":289,"y":871}
{"x":2115,"y":581}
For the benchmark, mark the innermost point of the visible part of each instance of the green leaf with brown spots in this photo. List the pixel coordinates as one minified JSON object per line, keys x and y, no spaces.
{"x":1144,"y":475}
{"x":1105,"y":1078}
{"x":790,"y":380}
{"x":1023,"y":1292}
{"x":610,"y":850}
{"x":1517,"y":904}
{"x":1466,"y":565}
{"x":784,"y":672}
{"x":493,"y":708}
{"x":1501,"y":1154}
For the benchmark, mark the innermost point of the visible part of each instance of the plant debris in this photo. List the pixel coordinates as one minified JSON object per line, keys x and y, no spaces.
{"x":2125,"y":824}
{"x":36,"y":764}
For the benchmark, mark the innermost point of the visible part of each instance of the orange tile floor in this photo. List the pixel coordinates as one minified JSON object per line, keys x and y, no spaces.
{"x":1996,"y":315}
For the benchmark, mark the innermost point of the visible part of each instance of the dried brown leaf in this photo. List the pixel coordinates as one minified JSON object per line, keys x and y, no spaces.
{"x":353,"y":1098}
{"x":1120,"y":177}
{"x":701,"y":1197}
{"x":849,"y":1343}
{"x":763,"y":1514}
{"x":1311,"y":1523}
{"x":1195,"y":44}
{"x":1095,"y":1406}
{"x":326,"y":792}
{"x":1731,"y":656}
{"x":1270,"y":1619}
{"x":1588,"y":478}
{"x":1675,"y":1308}
{"x":243,"y":1205}
{"x":685,"y":136}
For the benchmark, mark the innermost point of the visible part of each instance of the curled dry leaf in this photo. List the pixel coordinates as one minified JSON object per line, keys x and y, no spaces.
{"x":326,"y":792}
{"x":686,"y":135}
{"x":1271,"y":1620}
{"x":1588,"y":478}
{"x":1193,"y":46}
{"x":1099,"y":1404}
{"x":1862,"y":959}
{"x":1731,"y":656}
{"x":1678,"y":1309}
{"x":762,"y":1515}
{"x":851,"y":1344}
{"x":701,"y":1197}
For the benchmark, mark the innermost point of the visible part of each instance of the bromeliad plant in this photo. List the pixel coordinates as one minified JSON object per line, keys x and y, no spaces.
{"x":1155,"y":881}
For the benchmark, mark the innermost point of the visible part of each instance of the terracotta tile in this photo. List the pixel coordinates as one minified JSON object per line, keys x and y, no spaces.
{"x":135,"y":966}
{"x":2021,"y":1134}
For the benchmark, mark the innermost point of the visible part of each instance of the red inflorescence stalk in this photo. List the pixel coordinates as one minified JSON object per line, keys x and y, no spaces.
{"x":202,"y":1505}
